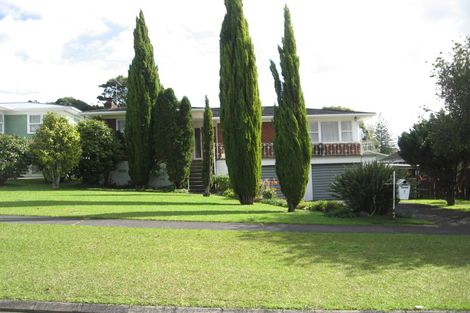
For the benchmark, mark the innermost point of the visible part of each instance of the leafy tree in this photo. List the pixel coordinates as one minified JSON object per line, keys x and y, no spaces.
{"x":240,"y":104}
{"x":114,"y":91}
{"x":14,"y":157}
{"x":78,"y":104}
{"x":382,"y":137}
{"x":433,"y":146}
{"x":56,"y":147}
{"x":207,"y":149}
{"x":100,"y":151}
{"x":143,"y":89}
{"x":164,"y":124}
{"x":367,"y":133}
{"x":453,"y":81}
{"x":292,"y":140}
{"x":179,"y":163}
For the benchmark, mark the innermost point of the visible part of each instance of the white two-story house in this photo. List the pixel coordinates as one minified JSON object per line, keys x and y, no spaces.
{"x":336,"y":143}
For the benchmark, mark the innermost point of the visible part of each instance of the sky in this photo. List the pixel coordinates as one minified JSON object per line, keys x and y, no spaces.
{"x":368,"y":55}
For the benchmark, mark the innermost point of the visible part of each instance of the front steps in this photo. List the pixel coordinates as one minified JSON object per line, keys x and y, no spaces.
{"x":195,"y":177}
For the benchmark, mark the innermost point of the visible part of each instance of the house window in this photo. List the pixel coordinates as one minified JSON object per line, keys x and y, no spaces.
{"x":34,"y":122}
{"x":329,"y":132}
{"x":346,"y":131}
{"x":1,"y":124}
{"x":314,"y":134}
{"x":120,"y":125}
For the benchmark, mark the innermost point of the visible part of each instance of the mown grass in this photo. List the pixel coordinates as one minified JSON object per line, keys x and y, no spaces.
{"x":36,"y":198}
{"x":233,"y":268}
{"x":461,"y":205}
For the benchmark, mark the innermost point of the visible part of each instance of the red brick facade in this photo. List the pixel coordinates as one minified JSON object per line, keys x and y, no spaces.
{"x":267,"y":133}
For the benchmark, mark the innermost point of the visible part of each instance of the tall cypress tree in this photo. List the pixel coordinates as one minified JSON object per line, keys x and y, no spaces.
{"x":182,"y":145}
{"x":292,"y":141}
{"x":207,"y":149}
{"x":143,"y":88}
{"x":240,"y":104}
{"x":164,"y":125}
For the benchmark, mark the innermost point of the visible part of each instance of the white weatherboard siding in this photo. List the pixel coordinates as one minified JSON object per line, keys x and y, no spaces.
{"x":221,"y":167}
{"x":120,"y":177}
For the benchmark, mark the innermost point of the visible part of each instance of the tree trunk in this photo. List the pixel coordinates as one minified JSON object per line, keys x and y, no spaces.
{"x":291,"y":207}
{"x":140,"y":187}
{"x":55,"y":178}
{"x":207,"y":191}
{"x":450,"y":195}
{"x":246,"y":199}
{"x":55,"y":181}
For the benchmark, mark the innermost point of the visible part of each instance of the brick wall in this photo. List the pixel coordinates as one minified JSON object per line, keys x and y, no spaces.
{"x":267,"y":133}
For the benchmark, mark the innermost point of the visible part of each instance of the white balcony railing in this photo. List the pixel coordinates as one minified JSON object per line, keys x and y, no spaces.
{"x":318,"y":149}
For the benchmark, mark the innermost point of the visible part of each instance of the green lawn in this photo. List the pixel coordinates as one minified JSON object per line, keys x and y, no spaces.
{"x":233,"y":268}
{"x":37,"y":198}
{"x":462,"y":205}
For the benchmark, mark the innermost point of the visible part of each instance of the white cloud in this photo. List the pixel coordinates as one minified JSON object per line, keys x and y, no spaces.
{"x":368,"y":55}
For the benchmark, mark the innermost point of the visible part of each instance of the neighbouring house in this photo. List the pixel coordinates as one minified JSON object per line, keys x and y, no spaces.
{"x":336,"y":143}
{"x":24,"y":118}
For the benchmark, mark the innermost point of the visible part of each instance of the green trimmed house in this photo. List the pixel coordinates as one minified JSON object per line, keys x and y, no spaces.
{"x":24,"y":118}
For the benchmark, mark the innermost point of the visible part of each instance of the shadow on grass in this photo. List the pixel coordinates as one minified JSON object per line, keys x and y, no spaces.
{"x":369,"y":252}
{"x":142,"y":214}
{"x":80,"y":203}
{"x":433,"y":212}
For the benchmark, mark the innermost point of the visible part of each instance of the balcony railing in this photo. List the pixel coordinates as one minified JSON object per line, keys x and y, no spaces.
{"x":318,"y":150}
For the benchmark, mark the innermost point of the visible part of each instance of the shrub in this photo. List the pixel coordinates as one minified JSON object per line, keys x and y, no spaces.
{"x":181,"y":190}
{"x":325,"y":206}
{"x":366,"y":188}
{"x":340,"y":212}
{"x":228,"y":193}
{"x":267,"y":192}
{"x":14,"y":157}
{"x":222,"y":183}
{"x":100,"y":151}
{"x":275,"y":201}
{"x":302,"y":205}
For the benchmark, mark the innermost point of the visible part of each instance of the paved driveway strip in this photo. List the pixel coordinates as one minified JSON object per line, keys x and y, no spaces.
{"x":389,"y":229}
{"x":64,"y":307}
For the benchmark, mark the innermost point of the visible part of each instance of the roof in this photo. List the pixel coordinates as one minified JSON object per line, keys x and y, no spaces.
{"x":35,"y":106}
{"x":118,"y":109}
{"x":393,"y":158}
{"x":267,"y":111}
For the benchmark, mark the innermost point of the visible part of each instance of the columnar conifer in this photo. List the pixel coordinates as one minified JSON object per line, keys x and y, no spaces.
{"x":179,"y":163}
{"x":143,"y":88}
{"x":164,"y":125}
{"x":240,"y":104}
{"x":292,"y":142}
{"x":207,"y":149}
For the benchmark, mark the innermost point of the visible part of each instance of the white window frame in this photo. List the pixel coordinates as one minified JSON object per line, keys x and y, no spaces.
{"x":2,"y":123}
{"x":346,"y":131}
{"x":117,"y":125}
{"x":28,"y":130}
{"x":320,"y":131}
{"x":311,"y":132}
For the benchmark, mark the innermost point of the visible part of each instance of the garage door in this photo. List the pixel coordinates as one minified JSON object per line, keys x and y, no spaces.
{"x":322,"y":176}
{"x":268,"y":172}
